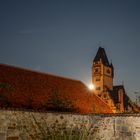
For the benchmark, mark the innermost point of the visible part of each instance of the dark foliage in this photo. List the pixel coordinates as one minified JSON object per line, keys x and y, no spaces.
{"x":56,"y":103}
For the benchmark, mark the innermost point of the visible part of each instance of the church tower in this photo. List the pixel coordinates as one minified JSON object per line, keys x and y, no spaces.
{"x":102,"y":73}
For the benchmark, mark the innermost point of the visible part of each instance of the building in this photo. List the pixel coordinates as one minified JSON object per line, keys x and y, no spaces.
{"x":102,"y":78}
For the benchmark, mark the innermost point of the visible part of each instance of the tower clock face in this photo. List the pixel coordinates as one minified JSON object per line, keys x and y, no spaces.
{"x":108,"y":71}
{"x":97,"y":70}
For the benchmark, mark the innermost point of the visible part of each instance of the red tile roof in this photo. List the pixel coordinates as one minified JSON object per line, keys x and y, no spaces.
{"x":36,"y":88}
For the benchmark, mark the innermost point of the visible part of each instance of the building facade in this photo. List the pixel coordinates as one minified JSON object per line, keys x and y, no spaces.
{"x":102,"y":79}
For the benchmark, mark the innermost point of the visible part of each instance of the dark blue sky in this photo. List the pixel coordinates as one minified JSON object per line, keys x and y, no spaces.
{"x":62,"y":37}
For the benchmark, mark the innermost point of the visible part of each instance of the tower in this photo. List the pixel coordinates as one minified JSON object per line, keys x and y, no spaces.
{"x":102,"y":73}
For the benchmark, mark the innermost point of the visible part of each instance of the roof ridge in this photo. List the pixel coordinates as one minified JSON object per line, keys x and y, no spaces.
{"x":40,"y":72}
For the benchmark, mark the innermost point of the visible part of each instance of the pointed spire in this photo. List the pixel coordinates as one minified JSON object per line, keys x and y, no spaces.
{"x":123,"y":82}
{"x":111,"y":65}
{"x":101,"y":55}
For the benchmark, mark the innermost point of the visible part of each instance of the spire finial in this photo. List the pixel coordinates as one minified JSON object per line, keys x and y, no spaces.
{"x":99,"y":43}
{"x":123,"y":82}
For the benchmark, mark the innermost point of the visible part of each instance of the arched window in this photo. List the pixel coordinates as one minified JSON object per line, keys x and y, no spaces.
{"x":108,"y":71}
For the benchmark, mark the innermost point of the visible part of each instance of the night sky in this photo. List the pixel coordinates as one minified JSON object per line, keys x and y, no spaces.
{"x":62,"y":37}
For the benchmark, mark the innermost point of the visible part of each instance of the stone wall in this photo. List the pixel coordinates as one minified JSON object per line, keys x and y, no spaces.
{"x":24,"y":125}
{"x":121,"y":127}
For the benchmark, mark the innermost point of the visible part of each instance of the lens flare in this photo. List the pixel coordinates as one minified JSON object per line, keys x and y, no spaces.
{"x":91,"y":87}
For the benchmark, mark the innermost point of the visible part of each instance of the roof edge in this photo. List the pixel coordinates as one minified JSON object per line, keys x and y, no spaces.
{"x":40,"y":72}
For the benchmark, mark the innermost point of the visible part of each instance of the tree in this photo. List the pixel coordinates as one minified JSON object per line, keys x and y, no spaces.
{"x":57,"y":103}
{"x":4,"y":100}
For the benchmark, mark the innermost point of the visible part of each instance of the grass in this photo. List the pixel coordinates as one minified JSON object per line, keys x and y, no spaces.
{"x":70,"y":134}
{"x":62,"y":132}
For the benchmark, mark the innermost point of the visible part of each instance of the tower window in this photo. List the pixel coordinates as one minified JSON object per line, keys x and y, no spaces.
{"x":98,"y":88}
{"x":105,"y":96}
{"x":96,"y":70}
{"x":108,"y":71}
{"x":98,"y":79}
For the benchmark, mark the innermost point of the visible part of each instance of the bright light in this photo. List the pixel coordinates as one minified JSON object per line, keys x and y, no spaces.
{"x":91,"y":87}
